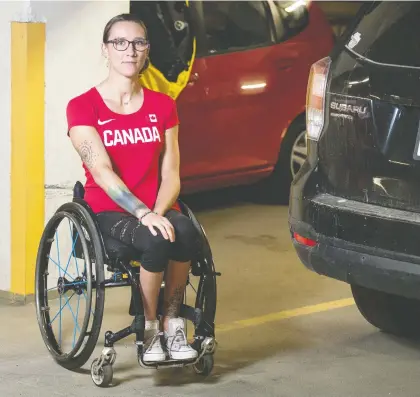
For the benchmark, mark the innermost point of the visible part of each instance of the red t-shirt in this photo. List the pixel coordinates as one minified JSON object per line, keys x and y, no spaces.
{"x":134,"y":143}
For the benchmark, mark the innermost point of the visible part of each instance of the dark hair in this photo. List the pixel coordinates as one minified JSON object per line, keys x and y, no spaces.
{"x":125,"y":18}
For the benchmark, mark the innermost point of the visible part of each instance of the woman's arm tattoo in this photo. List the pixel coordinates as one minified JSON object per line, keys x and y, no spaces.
{"x":125,"y":199}
{"x":87,"y":154}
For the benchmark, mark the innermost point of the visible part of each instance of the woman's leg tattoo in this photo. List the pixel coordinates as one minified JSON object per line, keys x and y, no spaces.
{"x":173,"y":302}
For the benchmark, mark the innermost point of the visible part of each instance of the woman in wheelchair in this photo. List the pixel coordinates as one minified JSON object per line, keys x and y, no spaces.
{"x":127,"y":138}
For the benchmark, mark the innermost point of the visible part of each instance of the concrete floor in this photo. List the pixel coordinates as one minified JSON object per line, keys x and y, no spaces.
{"x":325,"y":353}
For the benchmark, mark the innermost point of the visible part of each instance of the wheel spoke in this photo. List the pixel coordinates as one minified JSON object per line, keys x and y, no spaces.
{"x":72,"y":313}
{"x":59,"y":327}
{"x":299,"y":160}
{"x":72,"y":251}
{"x":58,"y":253}
{"x":300,"y":150}
{"x":77,"y":314}
{"x":71,"y":254}
{"x":193,"y":288}
{"x":61,"y":308}
{"x":59,"y":267}
{"x":299,"y":153}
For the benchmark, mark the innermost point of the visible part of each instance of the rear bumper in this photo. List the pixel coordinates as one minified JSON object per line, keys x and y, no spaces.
{"x":360,"y":257}
{"x":371,"y":271}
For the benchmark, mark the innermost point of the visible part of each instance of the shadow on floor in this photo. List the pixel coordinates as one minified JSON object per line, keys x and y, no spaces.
{"x":218,"y":199}
{"x":225,"y":198}
{"x":235,"y":352}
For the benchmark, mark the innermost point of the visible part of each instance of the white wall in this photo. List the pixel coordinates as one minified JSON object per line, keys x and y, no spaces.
{"x":73,"y":64}
{"x":8,"y":10}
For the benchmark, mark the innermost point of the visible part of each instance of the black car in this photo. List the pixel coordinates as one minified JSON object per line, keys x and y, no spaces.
{"x":354,"y":210}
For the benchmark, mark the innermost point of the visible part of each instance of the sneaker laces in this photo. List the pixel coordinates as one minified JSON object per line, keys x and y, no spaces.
{"x":152,"y":340}
{"x":179,"y":338}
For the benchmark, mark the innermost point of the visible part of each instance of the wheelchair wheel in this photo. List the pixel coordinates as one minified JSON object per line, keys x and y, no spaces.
{"x":207,"y":291}
{"x":202,"y":280}
{"x":101,"y":375}
{"x":58,"y":286}
{"x":206,"y":297}
{"x":204,"y":365}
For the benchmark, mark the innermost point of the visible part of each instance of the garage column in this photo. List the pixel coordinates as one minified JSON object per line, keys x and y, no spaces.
{"x":27,"y":150}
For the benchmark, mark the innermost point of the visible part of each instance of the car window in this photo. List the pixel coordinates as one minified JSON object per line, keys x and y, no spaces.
{"x":389,"y":33}
{"x":235,"y":25}
{"x":171,"y":40}
{"x":293,"y":18}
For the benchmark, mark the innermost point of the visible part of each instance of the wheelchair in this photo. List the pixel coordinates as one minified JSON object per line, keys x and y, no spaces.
{"x":122,"y":262}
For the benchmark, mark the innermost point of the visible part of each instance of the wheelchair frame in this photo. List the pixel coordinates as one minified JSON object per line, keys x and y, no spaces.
{"x":125,"y":270}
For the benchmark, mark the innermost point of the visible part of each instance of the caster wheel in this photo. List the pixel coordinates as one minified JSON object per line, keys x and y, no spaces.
{"x":101,"y":376}
{"x":204,"y":365}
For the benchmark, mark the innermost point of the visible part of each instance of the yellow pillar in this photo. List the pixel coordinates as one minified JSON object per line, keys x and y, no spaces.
{"x":27,"y":157}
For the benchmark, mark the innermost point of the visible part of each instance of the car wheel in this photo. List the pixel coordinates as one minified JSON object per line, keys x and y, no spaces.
{"x":293,"y":152}
{"x":392,"y":314}
{"x":299,"y":153}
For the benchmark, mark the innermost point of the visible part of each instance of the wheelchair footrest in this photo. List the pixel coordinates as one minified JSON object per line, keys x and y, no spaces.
{"x":205,"y":347}
{"x":166,"y":364}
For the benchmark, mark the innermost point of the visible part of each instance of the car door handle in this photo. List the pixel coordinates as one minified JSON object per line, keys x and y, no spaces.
{"x":284,"y":65}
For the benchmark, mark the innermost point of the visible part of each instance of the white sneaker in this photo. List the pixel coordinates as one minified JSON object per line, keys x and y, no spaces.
{"x":152,"y":348}
{"x":176,"y":341}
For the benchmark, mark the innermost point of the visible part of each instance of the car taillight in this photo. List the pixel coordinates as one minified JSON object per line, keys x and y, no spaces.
{"x":315,"y":98}
{"x":304,"y":240}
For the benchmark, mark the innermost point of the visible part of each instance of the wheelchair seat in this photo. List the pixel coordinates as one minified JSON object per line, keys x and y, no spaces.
{"x":115,"y":249}
{"x":118,"y":250}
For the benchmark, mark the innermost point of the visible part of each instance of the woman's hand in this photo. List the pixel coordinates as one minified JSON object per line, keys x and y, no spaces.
{"x":152,"y":220}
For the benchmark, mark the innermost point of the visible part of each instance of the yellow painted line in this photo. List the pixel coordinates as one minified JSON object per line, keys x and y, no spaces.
{"x":27,"y":151}
{"x":285,"y":314}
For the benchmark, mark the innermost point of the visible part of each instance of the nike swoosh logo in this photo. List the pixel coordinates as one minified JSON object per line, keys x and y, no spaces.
{"x":104,"y":122}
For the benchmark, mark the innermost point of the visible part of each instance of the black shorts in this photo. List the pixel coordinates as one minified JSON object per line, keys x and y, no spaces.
{"x":155,"y":251}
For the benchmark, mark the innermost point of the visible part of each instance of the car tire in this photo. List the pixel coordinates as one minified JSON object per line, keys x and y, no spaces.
{"x":392,"y":314}
{"x":276,"y":188}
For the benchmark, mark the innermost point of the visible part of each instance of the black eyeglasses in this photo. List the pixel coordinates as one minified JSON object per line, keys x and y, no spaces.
{"x":122,"y":44}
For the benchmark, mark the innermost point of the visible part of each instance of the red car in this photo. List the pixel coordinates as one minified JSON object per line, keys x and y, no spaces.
{"x":243,"y":111}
